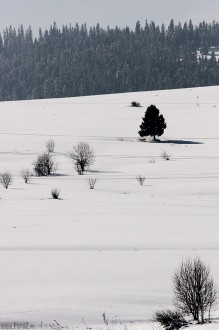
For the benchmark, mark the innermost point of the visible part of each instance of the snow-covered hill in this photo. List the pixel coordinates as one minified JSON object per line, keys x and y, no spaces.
{"x":113,"y":249}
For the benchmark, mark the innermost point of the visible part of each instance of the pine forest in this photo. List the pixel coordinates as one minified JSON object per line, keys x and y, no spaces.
{"x":77,"y":60}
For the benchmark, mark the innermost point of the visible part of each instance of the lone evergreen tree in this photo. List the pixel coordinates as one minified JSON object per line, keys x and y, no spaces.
{"x":153,"y":123}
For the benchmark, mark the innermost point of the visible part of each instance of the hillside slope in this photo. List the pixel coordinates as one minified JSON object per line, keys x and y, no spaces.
{"x":112,"y":249}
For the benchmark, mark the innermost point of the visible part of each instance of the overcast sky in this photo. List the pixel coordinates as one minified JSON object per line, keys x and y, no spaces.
{"x":106,"y":12}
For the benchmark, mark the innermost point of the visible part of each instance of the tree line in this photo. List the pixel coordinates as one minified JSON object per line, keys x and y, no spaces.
{"x":76,"y":60}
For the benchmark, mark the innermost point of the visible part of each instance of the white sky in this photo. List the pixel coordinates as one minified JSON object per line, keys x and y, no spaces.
{"x":112,"y":12}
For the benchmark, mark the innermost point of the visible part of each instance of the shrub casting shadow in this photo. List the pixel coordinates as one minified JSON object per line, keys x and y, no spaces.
{"x":98,"y":171}
{"x":58,"y":174}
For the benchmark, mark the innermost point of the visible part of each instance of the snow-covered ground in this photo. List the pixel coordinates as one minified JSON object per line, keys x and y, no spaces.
{"x":113,"y":249}
{"x":209,"y":56}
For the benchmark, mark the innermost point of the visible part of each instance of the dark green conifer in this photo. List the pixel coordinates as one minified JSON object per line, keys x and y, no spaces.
{"x":153,"y":123}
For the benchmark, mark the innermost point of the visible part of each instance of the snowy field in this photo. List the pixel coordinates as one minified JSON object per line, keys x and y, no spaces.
{"x":113,"y":249}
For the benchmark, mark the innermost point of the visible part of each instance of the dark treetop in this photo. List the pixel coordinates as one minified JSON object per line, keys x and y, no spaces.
{"x":153,"y":123}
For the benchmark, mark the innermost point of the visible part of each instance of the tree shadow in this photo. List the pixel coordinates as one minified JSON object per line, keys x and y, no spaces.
{"x":179,"y":142}
{"x":169,"y":141}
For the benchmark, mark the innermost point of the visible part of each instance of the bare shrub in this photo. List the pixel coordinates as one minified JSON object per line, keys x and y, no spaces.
{"x":105,"y":319}
{"x":92,"y":182}
{"x":44,"y":165}
{"x":55,"y":193}
{"x":151,"y":161}
{"x":194,"y":289}
{"x":165,"y":155}
{"x":170,"y":319}
{"x":57,"y":326}
{"x":82,"y":156}
{"x":140,"y":179}
{"x":26,"y":175}
{"x":111,"y":322}
{"x":135,"y":104}
{"x":50,"y":145}
{"x":6,"y":179}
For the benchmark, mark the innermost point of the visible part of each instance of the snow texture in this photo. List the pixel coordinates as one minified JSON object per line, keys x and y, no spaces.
{"x":112,"y":249}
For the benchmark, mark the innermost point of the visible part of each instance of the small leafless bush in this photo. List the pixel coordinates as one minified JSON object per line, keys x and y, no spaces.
{"x":82,"y":156}
{"x":135,"y":104}
{"x":170,"y":319}
{"x":92,"y":182}
{"x":112,"y":322}
{"x":140,"y":179}
{"x":44,"y":165}
{"x":50,"y":145}
{"x":6,"y":179}
{"x":26,"y":175}
{"x":57,"y":326}
{"x":105,"y":319}
{"x":165,"y":155}
{"x":55,"y":193}
{"x":151,"y":161}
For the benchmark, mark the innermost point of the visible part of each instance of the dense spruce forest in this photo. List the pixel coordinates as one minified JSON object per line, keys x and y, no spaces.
{"x":75,"y":61}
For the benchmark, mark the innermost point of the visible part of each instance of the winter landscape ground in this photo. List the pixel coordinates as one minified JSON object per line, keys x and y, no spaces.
{"x":113,"y":249}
